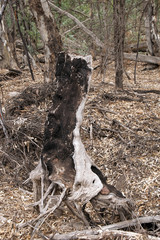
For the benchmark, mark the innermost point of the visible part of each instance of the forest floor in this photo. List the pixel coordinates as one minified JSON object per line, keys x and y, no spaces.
{"x":121,"y":133}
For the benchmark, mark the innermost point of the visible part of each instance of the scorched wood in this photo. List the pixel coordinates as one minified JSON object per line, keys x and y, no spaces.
{"x":65,"y":169}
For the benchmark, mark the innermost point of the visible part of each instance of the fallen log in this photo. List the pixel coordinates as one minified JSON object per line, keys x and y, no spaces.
{"x":142,"y":58}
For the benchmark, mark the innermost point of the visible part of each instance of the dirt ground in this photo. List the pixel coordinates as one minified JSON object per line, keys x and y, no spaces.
{"x":121,"y":133}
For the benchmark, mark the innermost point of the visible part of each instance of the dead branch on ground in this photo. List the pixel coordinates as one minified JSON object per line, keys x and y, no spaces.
{"x":112,"y":231}
{"x":142,"y":58}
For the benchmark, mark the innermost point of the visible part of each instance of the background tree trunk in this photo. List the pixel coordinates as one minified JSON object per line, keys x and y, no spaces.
{"x":6,"y":58}
{"x":49,"y":34}
{"x":152,"y":37}
{"x":4,"y":53}
{"x":119,"y":36}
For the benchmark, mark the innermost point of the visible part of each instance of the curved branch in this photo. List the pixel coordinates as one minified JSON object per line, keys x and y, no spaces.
{"x":96,"y":40}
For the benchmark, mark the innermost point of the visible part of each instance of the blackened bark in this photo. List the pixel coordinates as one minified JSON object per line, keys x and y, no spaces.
{"x":72,"y":80}
{"x":58,"y":150}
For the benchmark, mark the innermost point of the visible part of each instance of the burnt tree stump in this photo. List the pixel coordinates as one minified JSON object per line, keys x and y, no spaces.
{"x":66,"y":173}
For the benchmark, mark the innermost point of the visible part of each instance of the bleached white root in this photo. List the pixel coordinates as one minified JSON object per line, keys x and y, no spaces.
{"x":56,"y":205}
{"x":43,"y":216}
{"x":36,"y":223}
{"x":37,"y":178}
{"x":50,"y":191}
{"x":87,"y":184}
{"x":50,"y":206}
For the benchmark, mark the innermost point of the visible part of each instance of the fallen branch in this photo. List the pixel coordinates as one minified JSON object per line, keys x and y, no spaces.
{"x":105,"y":235}
{"x":147,"y":91}
{"x":10,"y":157}
{"x":73,"y":28}
{"x":9,"y":74}
{"x":142,"y":47}
{"x":14,"y":72}
{"x":113,"y":97}
{"x":142,"y":58}
{"x":111,"y":231}
{"x":122,"y":125}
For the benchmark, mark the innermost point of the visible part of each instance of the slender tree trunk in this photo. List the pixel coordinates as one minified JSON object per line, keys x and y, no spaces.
{"x":152,"y":37}
{"x":6,"y":58}
{"x":49,"y":34}
{"x":11,"y":32}
{"x":119,"y":35}
{"x":4,"y":54}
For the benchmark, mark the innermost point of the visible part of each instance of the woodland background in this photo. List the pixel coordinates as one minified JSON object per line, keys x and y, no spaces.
{"x":121,"y":120}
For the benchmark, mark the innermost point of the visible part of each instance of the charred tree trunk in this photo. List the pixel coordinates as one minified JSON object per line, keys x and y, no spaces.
{"x":65,"y":167}
{"x":49,"y":34}
{"x":63,"y":152}
{"x":119,"y":35}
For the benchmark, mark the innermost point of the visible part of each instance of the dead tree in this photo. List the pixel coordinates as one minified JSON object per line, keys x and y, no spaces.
{"x":66,"y":173}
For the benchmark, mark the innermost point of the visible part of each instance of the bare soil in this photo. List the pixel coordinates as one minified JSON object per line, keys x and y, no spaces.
{"x":121,"y":132}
